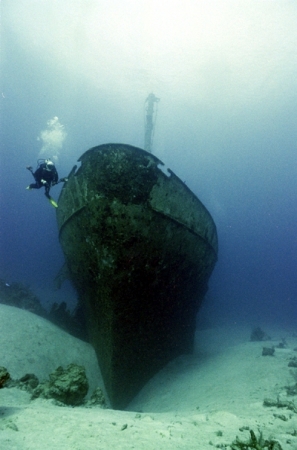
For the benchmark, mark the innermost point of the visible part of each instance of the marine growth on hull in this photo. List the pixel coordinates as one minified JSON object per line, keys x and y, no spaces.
{"x":140,"y":248}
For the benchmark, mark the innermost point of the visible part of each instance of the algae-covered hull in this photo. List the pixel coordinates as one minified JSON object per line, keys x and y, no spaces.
{"x":140,"y":248}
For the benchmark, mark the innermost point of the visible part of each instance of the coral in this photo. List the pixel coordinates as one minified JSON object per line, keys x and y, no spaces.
{"x":280,"y":404}
{"x":257,"y":443}
{"x":268,"y":351}
{"x":21,"y":296}
{"x":4,"y":376}
{"x":68,"y":386}
{"x":282,"y":344}
{"x":97,"y":399}
{"x":293,"y":362}
{"x":259,"y":335}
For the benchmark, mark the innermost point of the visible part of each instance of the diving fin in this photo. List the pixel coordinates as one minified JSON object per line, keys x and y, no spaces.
{"x":52,"y":202}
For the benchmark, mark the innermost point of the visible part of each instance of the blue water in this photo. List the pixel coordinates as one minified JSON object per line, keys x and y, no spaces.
{"x":226,"y":74}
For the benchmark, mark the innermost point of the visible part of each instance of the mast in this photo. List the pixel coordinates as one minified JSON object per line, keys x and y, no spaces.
{"x":150,"y":121}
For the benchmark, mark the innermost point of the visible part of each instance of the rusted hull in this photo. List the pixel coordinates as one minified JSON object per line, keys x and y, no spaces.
{"x":140,"y":248}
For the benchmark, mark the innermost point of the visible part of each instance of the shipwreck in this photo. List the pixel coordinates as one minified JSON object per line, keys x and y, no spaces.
{"x":140,"y":248}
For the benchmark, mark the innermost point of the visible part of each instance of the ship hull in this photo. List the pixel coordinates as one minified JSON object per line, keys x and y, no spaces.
{"x":140,"y":248}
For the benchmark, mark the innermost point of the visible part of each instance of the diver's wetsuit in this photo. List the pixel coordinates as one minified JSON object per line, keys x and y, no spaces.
{"x":44,"y":177}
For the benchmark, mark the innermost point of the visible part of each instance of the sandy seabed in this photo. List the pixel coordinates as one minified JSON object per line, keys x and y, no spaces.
{"x":201,"y":401}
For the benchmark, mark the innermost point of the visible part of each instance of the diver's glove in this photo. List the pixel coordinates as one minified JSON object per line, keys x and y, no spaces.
{"x":29,"y":168}
{"x":63,"y":180}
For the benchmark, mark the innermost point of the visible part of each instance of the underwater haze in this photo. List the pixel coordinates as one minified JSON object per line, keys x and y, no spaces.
{"x":76,"y":74}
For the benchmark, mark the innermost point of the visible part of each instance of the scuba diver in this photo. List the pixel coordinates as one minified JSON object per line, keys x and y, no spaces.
{"x":46,"y":176}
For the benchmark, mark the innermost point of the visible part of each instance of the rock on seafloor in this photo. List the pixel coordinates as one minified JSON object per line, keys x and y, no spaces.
{"x":140,"y":248}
